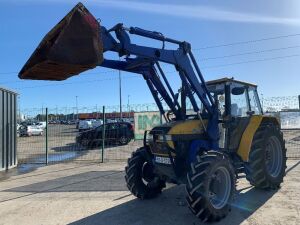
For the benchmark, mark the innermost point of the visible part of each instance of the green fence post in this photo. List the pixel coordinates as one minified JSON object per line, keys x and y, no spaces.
{"x":103,"y":133}
{"x":46,"y":129}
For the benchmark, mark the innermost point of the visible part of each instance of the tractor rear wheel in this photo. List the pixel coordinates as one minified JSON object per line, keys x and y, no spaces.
{"x":210,"y":186}
{"x":267,"y":159}
{"x":140,"y":179}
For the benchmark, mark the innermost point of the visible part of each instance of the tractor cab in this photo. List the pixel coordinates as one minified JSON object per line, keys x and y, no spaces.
{"x":237,"y":103}
{"x":235,"y":98}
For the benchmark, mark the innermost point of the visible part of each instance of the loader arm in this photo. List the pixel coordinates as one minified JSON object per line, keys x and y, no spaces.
{"x":65,"y":49}
{"x":183,"y":60}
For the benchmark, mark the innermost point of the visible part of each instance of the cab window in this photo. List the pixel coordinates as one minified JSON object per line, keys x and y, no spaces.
{"x":239,"y":106}
{"x":218,"y":93}
{"x":254,"y":102}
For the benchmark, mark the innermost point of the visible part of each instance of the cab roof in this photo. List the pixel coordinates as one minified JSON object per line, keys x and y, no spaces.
{"x":226,"y":79}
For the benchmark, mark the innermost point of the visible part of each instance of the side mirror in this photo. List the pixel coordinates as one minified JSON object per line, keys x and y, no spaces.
{"x":238,"y":90}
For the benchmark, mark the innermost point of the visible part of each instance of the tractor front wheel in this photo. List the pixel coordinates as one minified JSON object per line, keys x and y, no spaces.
{"x":210,"y":186}
{"x":140,"y":179}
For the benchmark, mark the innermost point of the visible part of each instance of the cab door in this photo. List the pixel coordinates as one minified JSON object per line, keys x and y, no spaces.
{"x":244,"y":103}
{"x":240,"y":114}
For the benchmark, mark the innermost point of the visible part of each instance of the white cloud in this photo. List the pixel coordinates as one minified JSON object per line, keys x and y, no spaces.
{"x":197,"y":12}
{"x":186,"y":11}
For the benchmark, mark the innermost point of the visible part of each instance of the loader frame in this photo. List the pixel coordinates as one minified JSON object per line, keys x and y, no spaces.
{"x":146,"y":62}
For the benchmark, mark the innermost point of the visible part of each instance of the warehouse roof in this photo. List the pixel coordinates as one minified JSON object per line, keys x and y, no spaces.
{"x":8,"y":90}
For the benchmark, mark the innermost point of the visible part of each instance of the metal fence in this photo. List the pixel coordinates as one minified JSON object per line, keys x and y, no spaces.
{"x":62,"y":140}
{"x":62,"y":146}
{"x":292,"y":142}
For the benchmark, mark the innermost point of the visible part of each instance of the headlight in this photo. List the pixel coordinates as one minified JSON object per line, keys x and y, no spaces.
{"x":149,"y":137}
{"x":166,"y":137}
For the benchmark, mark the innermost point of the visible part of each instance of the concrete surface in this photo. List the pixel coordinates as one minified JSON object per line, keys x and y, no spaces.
{"x":77,"y":193}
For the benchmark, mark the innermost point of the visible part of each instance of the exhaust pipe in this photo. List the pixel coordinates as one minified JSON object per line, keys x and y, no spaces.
{"x":73,"y":46}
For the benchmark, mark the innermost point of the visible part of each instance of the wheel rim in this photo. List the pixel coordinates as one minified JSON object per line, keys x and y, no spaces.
{"x":273,"y":156}
{"x":220,"y":188}
{"x":123,"y":140}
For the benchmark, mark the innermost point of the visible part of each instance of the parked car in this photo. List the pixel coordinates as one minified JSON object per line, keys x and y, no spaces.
{"x":41,"y":125}
{"x":72,"y":122}
{"x":84,"y":125}
{"x":96,"y":123}
{"x":18,"y":129}
{"x":63,"y":122}
{"x":121,"y":133}
{"x":128,"y":120}
{"x":27,"y":123}
{"x":112,"y":121}
{"x":31,"y":131}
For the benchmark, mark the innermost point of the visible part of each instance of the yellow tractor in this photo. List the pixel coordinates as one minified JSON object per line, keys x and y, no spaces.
{"x":205,"y":146}
{"x":179,"y":152}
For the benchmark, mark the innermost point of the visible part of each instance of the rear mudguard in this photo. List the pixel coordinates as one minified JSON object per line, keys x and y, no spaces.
{"x":247,"y":137}
{"x":245,"y":142}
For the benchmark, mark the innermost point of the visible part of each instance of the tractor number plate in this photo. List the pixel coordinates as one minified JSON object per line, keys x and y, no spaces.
{"x":162,"y":160}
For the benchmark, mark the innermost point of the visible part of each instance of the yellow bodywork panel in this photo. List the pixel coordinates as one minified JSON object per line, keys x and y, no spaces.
{"x":187,"y":127}
{"x":246,"y":140}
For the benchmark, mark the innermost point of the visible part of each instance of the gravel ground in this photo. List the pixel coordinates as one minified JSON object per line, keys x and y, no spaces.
{"x":79,"y":193}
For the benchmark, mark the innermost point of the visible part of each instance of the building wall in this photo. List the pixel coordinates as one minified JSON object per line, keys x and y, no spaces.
{"x":8,"y":129}
{"x":112,"y":115}
{"x":145,"y":121}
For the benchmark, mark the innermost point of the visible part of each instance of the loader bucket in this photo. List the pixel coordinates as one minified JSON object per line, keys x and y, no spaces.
{"x":74,"y":45}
